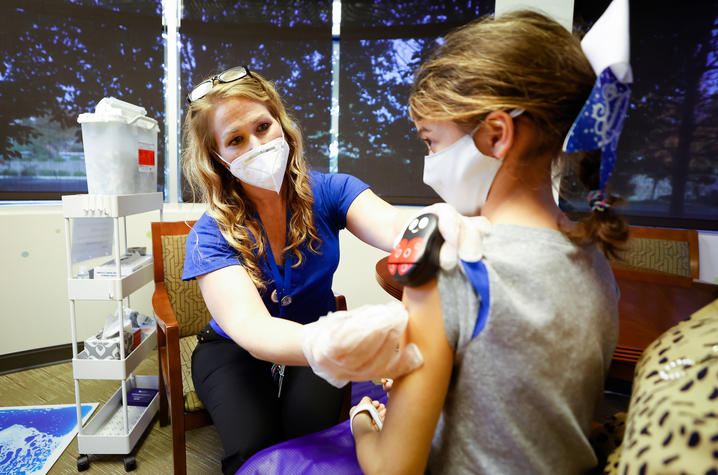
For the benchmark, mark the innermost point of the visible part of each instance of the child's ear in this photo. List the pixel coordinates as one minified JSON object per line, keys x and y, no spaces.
{"x":496,"y":135}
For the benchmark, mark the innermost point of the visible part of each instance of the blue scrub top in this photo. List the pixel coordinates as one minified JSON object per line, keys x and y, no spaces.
{"x":310,"y":285}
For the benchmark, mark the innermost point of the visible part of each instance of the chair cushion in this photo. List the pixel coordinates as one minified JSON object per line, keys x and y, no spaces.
{"x":185,"y":297}
{"x":191,"y":400}
{"x":673,"y":413}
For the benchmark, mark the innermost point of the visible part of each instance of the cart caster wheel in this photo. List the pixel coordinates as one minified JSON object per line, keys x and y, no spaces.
{"x":83,"y":463}
{"x":130,"y":462}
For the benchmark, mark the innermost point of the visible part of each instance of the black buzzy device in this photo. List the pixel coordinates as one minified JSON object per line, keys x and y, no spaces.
{"x":415,"y":260}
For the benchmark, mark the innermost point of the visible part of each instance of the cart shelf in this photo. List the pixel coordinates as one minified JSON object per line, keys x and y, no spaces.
{"x":109,"y":289}
{"x":84,"y":368}
{"x":110,"y":206}
{"x":104,"y":434}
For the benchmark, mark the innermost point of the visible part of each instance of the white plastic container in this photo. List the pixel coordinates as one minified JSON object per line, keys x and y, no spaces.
{"x":120,"y":144}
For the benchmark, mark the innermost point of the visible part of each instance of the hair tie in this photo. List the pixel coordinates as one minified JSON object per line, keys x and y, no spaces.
{"x":598,"y":200}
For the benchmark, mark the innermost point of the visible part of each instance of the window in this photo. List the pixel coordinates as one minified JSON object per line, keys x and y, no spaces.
{"x":667,"y":166}
{"x":61,"y":58}
{"x":287,"y":42}
{"x":381,"y":45}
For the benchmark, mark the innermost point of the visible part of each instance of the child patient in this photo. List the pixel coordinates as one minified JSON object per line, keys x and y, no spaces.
{"x":517,"y":344}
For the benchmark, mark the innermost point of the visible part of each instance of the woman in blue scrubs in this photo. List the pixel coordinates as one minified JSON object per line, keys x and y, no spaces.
{"x":264,"y":254}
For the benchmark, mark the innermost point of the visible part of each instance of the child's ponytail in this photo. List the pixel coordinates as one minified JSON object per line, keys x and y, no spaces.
{"x":603,"y":226}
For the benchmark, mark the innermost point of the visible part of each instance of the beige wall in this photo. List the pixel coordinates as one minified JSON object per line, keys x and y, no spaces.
{"x":35,"y":312}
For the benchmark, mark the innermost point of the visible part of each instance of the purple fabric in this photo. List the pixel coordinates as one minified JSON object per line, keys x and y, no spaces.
{"x":327,"y":452}
{"x":366,"y":388}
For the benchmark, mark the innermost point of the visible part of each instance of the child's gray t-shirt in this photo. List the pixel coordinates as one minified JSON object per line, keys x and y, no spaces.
{"x":524,"y":390}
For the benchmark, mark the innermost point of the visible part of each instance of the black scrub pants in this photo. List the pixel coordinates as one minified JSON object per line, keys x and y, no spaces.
{"x":241,"y":397}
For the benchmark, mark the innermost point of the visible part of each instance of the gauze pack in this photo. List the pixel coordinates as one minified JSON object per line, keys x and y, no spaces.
{"x":360,"y":344}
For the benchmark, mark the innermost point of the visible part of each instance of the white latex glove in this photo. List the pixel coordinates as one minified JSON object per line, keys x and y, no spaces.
{"x":360,"y":344}
{"x":462,"y":235}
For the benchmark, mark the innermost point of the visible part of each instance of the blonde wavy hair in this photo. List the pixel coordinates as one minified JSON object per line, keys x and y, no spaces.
{"x":520,"y":60}
{"x":226,"y":200}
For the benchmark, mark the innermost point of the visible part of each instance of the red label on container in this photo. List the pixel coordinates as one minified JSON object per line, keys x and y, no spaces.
{"x":146,"y":157}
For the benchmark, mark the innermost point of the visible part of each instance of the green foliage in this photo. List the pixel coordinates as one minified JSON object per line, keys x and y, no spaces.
{"x":49,"y":140}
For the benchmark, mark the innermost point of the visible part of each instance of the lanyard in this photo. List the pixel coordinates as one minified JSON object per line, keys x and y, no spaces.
{"x":282,"y":284}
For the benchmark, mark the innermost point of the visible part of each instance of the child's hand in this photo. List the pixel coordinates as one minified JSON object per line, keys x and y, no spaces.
{"x":376,"y":418}
{"x":381,"y":409}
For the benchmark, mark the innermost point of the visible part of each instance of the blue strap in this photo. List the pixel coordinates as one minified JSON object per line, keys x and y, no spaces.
{"x":479,"y":278}
{"x":282,"y":280}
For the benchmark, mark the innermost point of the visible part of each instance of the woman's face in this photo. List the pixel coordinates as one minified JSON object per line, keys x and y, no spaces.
{"x":438,"y":134}
{"x":240,"y":125}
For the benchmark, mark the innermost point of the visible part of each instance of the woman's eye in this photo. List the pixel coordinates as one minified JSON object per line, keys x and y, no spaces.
{"x":428,"y":142}
{"x":264,"y":126}
{"x":235,"y":141}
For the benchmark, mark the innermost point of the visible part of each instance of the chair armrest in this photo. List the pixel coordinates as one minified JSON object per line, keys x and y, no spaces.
{"x":163,"y":309}
{"x":341,"y":302}
{"x":168,"y":350}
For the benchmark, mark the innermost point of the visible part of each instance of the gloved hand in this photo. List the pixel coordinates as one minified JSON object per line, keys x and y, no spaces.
{"x":360,"y":344}
{"x":462,"y":235}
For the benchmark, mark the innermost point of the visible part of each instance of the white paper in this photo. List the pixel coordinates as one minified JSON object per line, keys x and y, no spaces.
{"x":128,"y":264}
{"x":607,"y":43}
{"x":91,"y":237}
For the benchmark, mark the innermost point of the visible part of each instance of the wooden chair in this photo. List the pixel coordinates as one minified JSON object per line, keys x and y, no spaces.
{"x":181,"y":313}
{"x":654,"y":254}
{"x":655,"y":273}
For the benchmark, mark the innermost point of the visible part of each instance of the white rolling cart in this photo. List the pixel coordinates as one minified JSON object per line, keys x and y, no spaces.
{"x":116,"y":427}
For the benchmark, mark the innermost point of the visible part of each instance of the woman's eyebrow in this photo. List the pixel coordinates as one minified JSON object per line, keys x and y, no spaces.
{"x":232,"y":131}
{"x":253,"y":121}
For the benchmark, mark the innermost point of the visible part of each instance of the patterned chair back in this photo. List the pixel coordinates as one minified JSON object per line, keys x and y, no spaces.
{"x":185,"y":297}
{"x":672,"y":251}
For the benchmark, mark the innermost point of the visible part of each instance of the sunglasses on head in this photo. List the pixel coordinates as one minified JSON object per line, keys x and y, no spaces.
{"x":230,"y":75}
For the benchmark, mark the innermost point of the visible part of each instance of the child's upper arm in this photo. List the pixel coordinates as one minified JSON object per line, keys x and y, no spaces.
{"x":416,"y":399}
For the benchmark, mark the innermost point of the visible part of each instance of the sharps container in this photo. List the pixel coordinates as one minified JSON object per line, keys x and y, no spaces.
{"x":120,"y":144}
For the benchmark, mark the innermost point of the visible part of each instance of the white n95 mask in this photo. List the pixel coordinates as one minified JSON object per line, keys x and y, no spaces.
{"x":461,"y":174}
{"x":263,"y":166}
